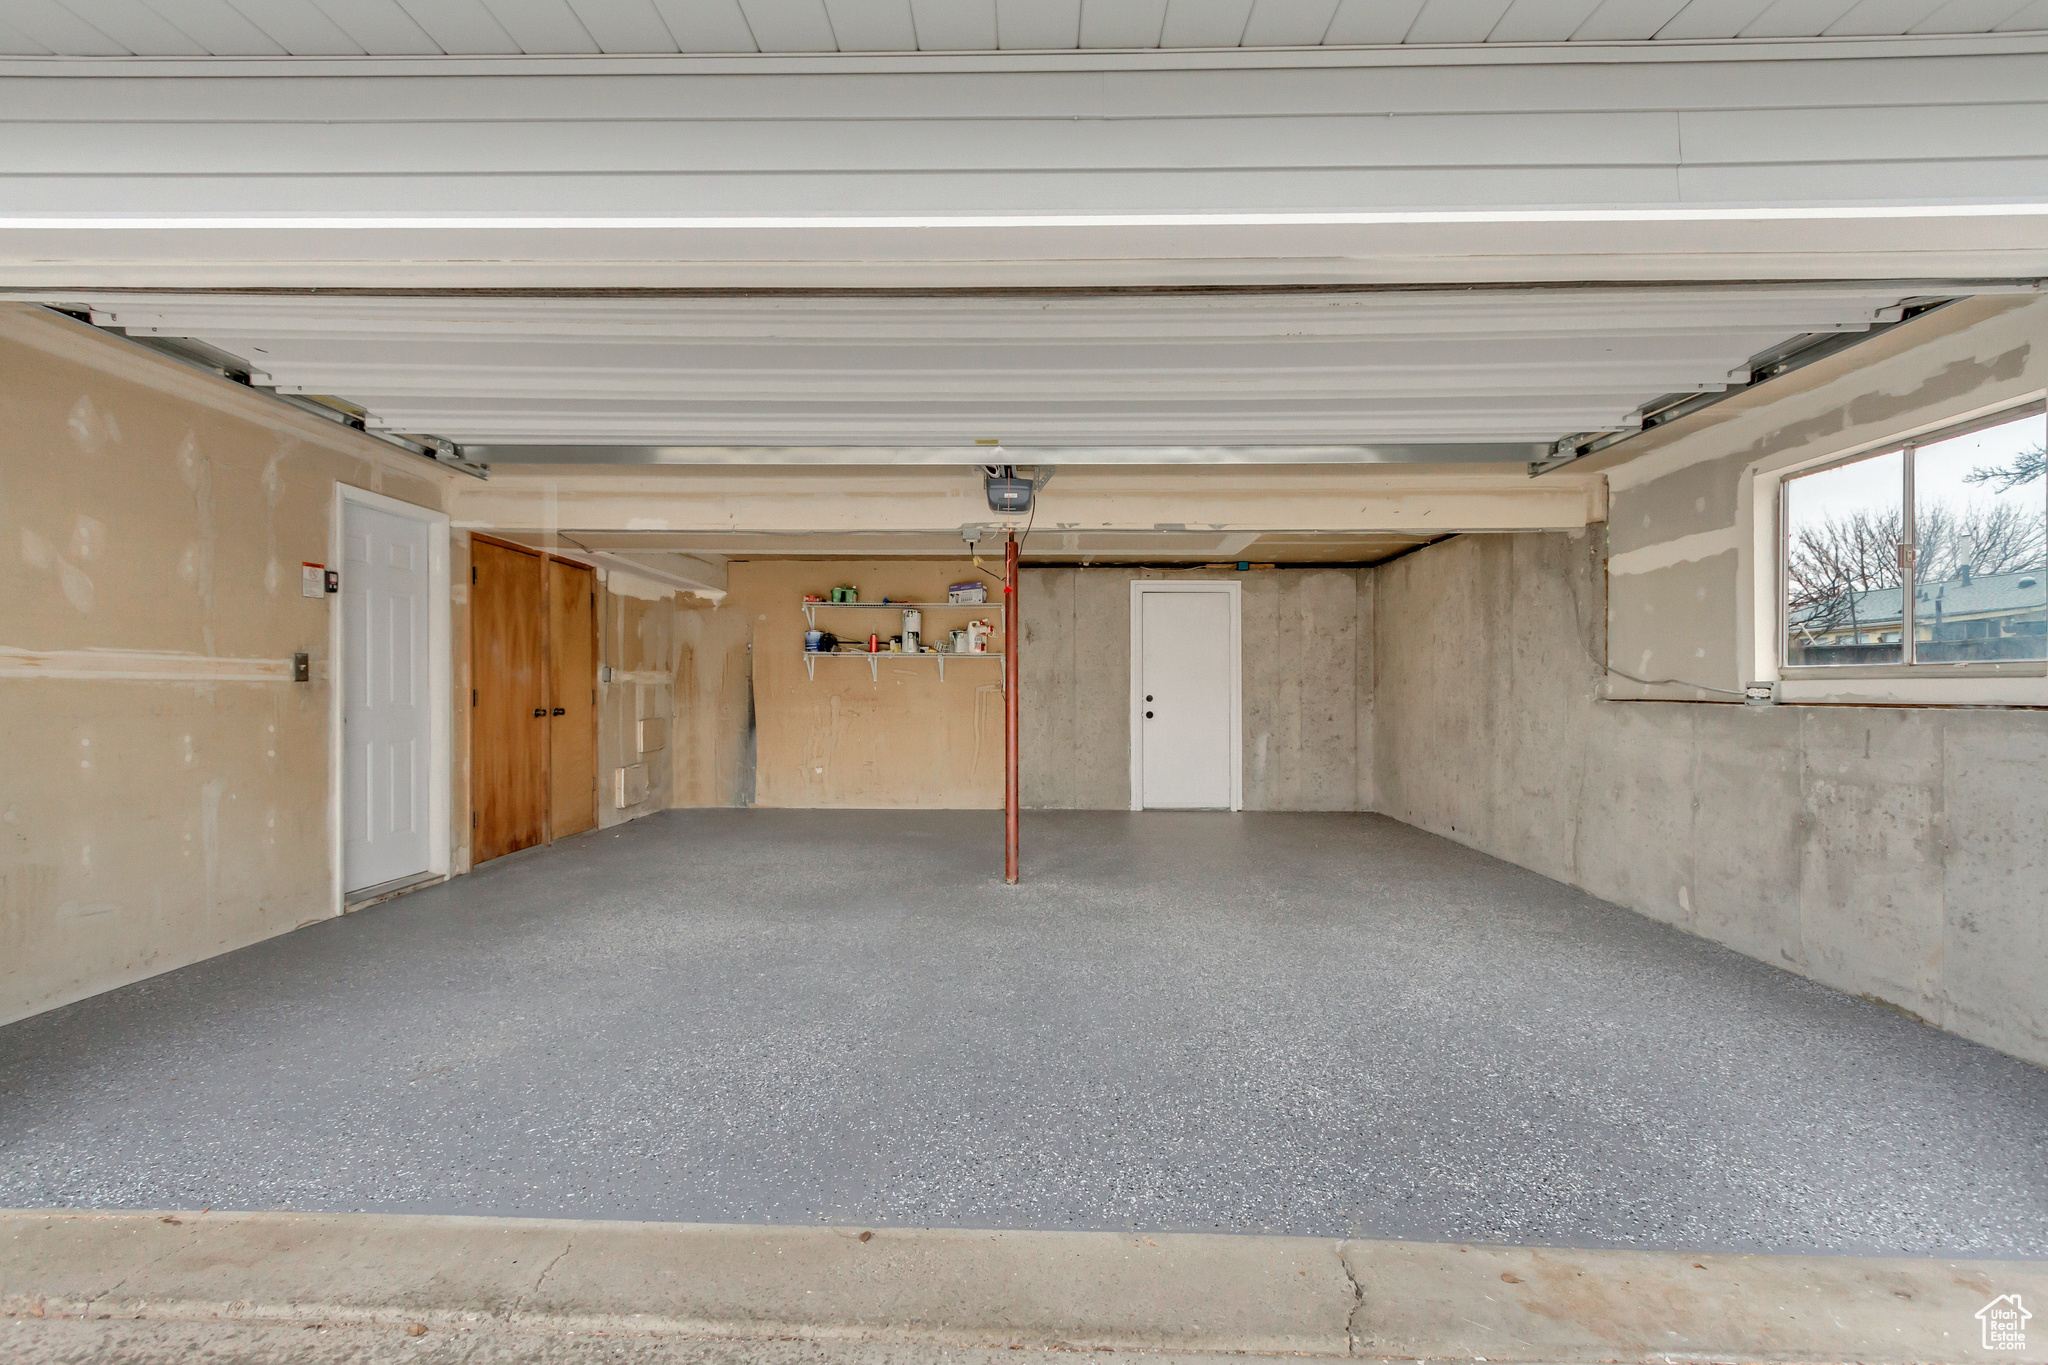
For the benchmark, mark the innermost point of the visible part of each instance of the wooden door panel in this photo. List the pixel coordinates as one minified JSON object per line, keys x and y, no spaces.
{"x":509,"y":754}
{"x":572,"y":692}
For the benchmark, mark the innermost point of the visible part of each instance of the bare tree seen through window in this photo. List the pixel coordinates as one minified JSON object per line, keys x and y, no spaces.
{"x":1844,"y":528}
{"x":1838,"y":557}
{"x":1979,"y":545}
{"x":2024,"y":468}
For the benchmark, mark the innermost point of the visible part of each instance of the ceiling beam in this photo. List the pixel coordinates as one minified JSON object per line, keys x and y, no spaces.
{"x":791,"y":500}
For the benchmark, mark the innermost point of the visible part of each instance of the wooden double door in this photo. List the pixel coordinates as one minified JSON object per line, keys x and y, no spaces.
{"x":533,"y":746}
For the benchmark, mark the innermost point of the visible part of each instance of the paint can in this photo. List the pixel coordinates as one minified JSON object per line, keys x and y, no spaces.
{"x":814,"y":640}
{"x":959,"y":642}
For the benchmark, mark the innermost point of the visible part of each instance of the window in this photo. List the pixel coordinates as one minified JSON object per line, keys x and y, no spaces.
{"x":1960,"y":515}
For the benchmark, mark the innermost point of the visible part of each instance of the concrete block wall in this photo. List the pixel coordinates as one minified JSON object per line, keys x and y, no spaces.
{"x":1307,"y":701}
{"x":1895,"y":853}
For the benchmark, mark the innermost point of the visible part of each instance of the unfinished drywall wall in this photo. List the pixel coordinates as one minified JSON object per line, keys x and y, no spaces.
{"x":709,"y":746}
{"x":1891,"y":852}
{"x":1307,"y":712}
{"x":1692,"y":598}
{"x":641,"y":645}
{"x":900,"y":737}
{"x":164,"y":795}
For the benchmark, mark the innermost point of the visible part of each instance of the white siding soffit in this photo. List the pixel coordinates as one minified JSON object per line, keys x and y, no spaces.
{"x":257,"y":28}
{"x":1903,"y":157}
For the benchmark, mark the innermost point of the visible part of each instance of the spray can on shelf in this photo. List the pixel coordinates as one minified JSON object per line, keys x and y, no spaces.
{"x":913,"y":626}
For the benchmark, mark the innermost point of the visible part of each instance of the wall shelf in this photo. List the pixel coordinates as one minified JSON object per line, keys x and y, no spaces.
{"x":811,"y":609}
{"x":811,"y":657}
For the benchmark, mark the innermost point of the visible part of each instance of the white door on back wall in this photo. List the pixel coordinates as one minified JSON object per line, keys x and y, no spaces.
{"x":1184,"y":696}
{"x":386,"y":689}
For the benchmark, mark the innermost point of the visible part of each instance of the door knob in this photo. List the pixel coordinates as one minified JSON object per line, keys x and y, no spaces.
{"x":1148,"y":715}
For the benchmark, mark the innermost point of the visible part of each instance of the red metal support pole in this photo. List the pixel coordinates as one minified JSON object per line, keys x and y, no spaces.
{"x":1013,"y":635}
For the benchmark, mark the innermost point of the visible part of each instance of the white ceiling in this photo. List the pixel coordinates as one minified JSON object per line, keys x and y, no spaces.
{"x":307,"y":28}
{"x":1120,"y":370}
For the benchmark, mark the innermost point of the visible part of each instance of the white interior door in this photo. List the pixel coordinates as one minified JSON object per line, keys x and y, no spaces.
{"x":1186,"y":698}
{"x":386,"y":687}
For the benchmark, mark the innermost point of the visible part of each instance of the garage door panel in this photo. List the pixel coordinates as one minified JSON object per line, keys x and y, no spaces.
{"x":1504,"y":366}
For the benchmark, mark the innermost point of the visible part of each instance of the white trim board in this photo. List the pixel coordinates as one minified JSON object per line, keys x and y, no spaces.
{"x":138,"y":665}
{"x":440,"y":679}
{"x":1141,"y":586}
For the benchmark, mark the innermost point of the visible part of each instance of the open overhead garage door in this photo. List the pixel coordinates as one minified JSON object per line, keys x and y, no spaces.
{"x":1354,"y":375}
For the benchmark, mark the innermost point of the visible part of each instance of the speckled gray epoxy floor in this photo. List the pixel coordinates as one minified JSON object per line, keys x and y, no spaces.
{"x":1321,"y":1024}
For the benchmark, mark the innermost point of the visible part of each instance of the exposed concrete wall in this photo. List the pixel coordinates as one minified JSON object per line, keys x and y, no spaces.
{"x":1893,"y":853}
{"x":1308,"y":705}
{"x":1308,"y":717}
{"x":154,"y":514}
{"x":1896,"y":853}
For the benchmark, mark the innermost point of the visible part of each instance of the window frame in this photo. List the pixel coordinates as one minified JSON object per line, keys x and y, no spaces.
{"x":1909,"y":665}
